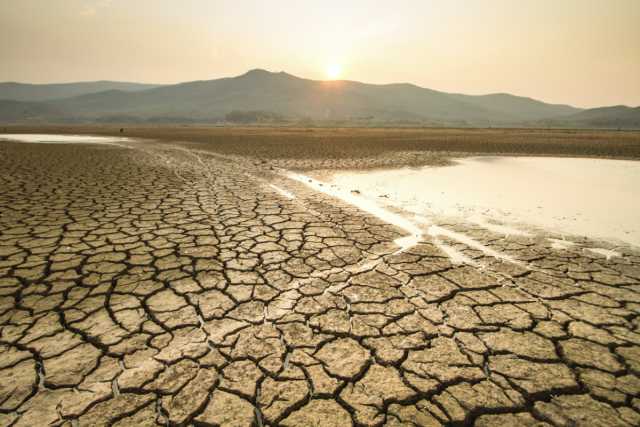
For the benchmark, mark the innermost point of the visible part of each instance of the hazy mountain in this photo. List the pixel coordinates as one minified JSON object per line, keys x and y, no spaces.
{"x":280,"y":96}
{"x":294,"y":97}
{"x":20,"y":111}
{"x":45,"y":92}
{"x":283,"y":94}
{"x":616,"y":116}
{"x":518,"y":107}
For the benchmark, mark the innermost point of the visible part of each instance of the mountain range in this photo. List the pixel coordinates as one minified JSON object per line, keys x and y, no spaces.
{"x":260,"y":95}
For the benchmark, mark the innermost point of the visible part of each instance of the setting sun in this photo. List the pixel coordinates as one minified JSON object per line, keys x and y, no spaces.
{"x":334,"y":71}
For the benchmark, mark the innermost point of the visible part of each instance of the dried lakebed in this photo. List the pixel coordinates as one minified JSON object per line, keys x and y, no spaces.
{"x":154,"y":285}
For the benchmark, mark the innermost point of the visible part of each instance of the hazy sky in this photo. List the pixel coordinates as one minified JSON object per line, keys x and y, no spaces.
{"x":581,"y":52}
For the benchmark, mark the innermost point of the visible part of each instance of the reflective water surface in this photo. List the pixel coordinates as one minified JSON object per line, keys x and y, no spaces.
{"x":62,"y":139}
{"x":587,"y":197}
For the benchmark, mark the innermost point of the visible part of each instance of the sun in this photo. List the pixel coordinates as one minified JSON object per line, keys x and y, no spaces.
{"x":334,"y":71}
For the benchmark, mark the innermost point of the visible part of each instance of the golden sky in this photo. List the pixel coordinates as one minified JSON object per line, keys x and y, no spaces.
{"x":581,"y":52}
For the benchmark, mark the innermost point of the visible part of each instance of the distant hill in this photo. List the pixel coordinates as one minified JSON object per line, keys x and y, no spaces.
{"x":518,"y":107}
{"x":44,"y":92}
{"x":20,"y":111}
{"x":294,"y":97}
{"x":282,"y":96}
{"x":618,"y":116}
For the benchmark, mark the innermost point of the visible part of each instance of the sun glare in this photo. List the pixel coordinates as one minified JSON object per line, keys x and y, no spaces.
{"x":334,"y":71}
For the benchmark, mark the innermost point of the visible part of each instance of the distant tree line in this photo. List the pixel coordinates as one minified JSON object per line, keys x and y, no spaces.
{"x":256,"y":116}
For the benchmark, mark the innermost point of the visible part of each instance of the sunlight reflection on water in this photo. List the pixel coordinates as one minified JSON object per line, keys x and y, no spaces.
{"x":589,"y":197}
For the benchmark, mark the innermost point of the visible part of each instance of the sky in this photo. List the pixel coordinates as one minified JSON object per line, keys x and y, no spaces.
{"x":580,"y":52}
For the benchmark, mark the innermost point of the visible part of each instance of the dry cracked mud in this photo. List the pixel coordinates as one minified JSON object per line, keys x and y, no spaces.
{"x":160,"y":286}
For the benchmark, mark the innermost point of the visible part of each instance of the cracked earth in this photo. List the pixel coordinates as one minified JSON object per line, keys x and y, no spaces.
{"x":160,"y":286}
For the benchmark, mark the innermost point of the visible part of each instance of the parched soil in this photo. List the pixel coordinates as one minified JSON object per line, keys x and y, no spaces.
{"x":154,"y":285}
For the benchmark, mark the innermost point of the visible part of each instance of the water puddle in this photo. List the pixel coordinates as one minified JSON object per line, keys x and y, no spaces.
{"x":417,"y":227}
{"x":64,"y":139}
{"x":595,"y":198}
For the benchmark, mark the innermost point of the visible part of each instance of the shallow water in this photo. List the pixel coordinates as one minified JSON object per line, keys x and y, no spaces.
{"x":62,"y":139}
{"x":587,"y":197}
